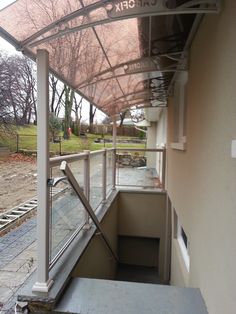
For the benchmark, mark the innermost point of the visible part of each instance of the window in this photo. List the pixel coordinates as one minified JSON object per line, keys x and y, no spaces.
{"x":182,"y":238}
{"x":179,"y":111}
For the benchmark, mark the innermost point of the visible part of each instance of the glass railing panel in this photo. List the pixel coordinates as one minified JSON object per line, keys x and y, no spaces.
{"x":109,"y":164}
{"x":67,"y":213}
{"x":136,"y":168}
{"x":96,"y":165}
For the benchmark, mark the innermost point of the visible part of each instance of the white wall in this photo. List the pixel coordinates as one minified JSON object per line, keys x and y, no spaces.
{"x":202,"y":179}
{"x":161,"y":130}
{"x":151,"y":143}
{"x":161,"y":138}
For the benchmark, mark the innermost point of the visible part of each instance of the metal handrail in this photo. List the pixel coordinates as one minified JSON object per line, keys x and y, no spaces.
{"x":141,"y":149}
{"x":56,"y":161}
{"x":65,"y":246}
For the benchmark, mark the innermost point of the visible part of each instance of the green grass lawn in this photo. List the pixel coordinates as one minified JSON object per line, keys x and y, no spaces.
{"x":28,"y":141}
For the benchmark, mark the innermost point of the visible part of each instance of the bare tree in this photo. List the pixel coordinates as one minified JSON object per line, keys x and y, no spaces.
{"x":17,"y":90}
{"x":92,"y":111}
{"x":69,"y":97}
{"x":78,"y":115}
{"x":57,"y":90}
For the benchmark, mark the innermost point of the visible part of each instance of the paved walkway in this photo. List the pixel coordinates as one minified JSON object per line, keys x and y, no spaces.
{"x":18,"y":259}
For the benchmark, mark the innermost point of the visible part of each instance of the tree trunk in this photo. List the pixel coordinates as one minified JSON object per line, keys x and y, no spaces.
{"x":91,"y":116}
{"x":69,"y":96}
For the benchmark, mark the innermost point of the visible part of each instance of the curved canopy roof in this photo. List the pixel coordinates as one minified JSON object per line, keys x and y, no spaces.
{"x":116,"y":53}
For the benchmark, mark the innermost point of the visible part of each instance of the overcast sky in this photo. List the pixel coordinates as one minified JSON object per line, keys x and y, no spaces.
{"x":4,"y":3}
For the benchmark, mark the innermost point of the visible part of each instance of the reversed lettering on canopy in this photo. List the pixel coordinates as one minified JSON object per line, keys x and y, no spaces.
{"x":145,"y":65}
{"x":133,"y":7}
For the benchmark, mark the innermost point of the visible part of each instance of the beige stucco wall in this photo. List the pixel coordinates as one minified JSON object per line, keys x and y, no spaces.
{"x":151,"y":143}
{"x":97,"y":261}
{"x":133,"y":214}
{"x":143,"y":214}
{"x":202,"y":179}
{"x":161,"y":130}
{"x":161,"y":138}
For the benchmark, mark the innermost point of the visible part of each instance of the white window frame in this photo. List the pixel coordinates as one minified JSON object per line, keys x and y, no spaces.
{"x":179,"y":119}
{"x":178,"y":236}
{"x":184,"y":250}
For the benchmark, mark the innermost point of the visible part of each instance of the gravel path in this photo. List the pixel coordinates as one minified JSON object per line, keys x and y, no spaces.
{"x":18,"y":181}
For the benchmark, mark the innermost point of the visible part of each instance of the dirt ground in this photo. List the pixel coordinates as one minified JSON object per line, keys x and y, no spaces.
{"x":18,"y":179}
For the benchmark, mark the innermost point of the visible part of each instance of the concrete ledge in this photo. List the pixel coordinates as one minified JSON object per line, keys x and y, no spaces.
{"x":92,"y":296}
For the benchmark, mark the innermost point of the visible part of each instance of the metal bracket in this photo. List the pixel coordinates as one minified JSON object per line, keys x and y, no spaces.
{"x":54,"y":181}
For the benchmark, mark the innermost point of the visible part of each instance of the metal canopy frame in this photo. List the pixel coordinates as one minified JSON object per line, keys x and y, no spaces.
{"x":160,"y":8}
{"x":162,"y":53}
{"x":142,"y":65}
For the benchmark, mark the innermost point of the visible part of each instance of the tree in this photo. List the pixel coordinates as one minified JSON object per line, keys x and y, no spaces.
{"x":69,"y":97}
{"x":78,"y":115}
{"x":92,"y":111}
{"x":106,"y":120}
{"x":123,"y":115}
{"x":54,"y":125}
{"x":56,"y":93}
{"x":17,"y":90}
{"x":78,"y":52}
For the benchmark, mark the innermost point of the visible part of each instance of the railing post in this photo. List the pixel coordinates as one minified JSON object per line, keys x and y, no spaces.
{"x":104,"y":176}
{"x":114,"y":132}
{"x":114,"y":169}
{"x":43,"y":282}
{"x":163,"y":174}
{"x":87,"y":182}
{"x":17,"y":143}
{"x":60,"y":145}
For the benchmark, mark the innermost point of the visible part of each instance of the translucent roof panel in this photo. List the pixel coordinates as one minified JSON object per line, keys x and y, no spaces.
{"x":24,"y":18}
{"x":116,"y":53}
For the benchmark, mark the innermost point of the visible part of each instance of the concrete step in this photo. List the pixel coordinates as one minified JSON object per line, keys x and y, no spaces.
{"x":107,"y":296}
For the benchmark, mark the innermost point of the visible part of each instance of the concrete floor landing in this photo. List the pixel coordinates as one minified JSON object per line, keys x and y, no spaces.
{"x":92,"y":296}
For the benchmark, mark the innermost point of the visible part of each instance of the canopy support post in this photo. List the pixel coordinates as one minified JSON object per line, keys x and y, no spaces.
{"x":43,"y":282}
{"x":114,"y":132}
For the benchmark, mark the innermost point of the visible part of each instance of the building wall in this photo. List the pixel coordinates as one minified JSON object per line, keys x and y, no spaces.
{"x":161,"y":138}
{"x":151,"y":143}
{"x":202,"y":179}
{"x":145,"y":215}
{"x":97,"y":261}
{"x":161,"y":130}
